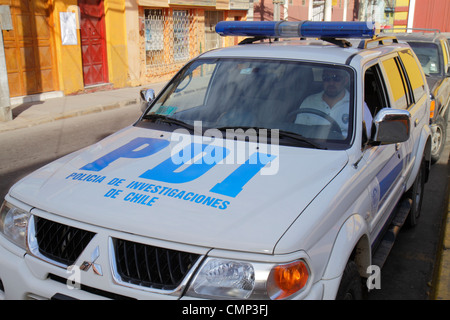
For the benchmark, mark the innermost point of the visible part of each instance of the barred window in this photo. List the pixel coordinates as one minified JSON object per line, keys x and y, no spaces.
{"x":154,"y":36}
{"x":154,"y":30}
{"x":171,"y":38}
{"x":180,"y":35}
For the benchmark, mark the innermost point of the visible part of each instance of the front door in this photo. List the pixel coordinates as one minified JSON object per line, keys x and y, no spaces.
{"x":384,"y":163}
{"x":93,"y":44}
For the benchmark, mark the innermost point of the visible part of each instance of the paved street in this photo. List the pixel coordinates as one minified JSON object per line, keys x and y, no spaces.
{"x":30,"y":148}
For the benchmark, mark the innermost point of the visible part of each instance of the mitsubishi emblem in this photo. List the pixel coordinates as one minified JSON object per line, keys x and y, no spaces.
{"x":86,"y":265}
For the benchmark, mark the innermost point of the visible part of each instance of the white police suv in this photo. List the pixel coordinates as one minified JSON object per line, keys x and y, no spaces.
{"x":275,"y":169}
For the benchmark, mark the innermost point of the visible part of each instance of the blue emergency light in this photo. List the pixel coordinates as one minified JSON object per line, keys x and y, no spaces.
{"x":306,"y":29}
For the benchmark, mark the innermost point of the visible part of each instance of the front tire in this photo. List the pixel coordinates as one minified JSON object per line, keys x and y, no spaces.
{"x":438,"y":139}
{"x":351,"y":285}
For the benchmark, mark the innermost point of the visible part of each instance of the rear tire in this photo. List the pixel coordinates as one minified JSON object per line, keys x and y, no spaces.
{"x":416,"y":194}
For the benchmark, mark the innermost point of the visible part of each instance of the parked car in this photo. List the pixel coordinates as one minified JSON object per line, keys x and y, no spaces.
{"x":273,"y":170}
{"x":447,"y":35}
{"x":432,"y":49}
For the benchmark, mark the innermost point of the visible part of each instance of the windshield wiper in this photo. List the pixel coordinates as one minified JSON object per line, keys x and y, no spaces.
{"x":169,"y":120}
{"x":299,"y":137}
{"x":282,"y":134}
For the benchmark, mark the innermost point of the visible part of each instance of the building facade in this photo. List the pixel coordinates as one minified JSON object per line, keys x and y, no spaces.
{"x":165,"y":34}
{"x":433,"y":14}
{"x":412,"y":14}
{"x":297,"y":10}
{"x":62,"y":47}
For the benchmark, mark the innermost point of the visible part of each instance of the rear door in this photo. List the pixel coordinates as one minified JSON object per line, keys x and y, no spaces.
{"x":415,"y":81}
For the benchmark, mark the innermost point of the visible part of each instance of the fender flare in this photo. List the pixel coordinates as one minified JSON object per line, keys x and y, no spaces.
{"x":444,"y":107}
{"x":352,"y":242}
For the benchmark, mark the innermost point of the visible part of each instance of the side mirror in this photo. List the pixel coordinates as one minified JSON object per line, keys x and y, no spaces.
{"x":391,"y":126}
{"x":147,"y":96}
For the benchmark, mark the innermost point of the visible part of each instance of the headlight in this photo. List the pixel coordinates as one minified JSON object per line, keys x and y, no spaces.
{"x":224,"y":279}
{"x":14,"y":224}
{"x":229,"y":279}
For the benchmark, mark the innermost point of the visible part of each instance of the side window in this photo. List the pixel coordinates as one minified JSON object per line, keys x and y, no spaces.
{"x":414,"y":74}
{"x":396,"y":83}
{"x":374,"y":97}
{"x":374,"y":93}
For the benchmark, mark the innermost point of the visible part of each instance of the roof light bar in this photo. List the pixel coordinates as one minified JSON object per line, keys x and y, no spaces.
{"x":307,"y":29}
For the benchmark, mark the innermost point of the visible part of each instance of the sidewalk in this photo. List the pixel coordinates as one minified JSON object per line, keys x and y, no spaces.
{"x":441,"y":287}
{"x":37,"y":112}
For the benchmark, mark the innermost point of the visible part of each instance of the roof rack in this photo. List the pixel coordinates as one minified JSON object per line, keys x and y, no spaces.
{"x":412,"y":29}
{"x":254,"y":39}
{"x":381,"y":41}
{"x":343,"y":43}
{"x":339,"y":42}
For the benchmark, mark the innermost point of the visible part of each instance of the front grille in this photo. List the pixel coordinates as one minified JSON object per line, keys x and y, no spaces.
{"x":152,"y":267}
{"x":59,"y":242}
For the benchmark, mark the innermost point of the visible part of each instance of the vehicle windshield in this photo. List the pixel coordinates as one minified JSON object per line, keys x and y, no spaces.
{"x":306,"y":102}
{"x":428,"y":55}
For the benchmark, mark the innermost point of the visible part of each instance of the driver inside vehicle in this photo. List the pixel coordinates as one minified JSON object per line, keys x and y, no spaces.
{"x":331,"y":105}
{"x":333,"y":101}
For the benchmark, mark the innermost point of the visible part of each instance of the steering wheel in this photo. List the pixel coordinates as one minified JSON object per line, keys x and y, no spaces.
{"x":335,"y":127}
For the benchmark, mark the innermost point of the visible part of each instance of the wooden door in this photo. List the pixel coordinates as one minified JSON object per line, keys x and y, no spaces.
{"x":29,"y":48}
{"x":93,"y":44}
{"x":212,"y":39}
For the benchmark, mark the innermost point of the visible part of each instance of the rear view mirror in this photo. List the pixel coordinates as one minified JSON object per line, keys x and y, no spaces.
{"x":147,"y":96}
{"x":392,"y":126}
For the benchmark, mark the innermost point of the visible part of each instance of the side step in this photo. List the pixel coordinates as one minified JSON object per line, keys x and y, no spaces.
{"x":386,"y":244}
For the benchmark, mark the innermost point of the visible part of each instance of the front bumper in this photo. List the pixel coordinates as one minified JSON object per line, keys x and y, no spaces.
{"x":25,"y":277}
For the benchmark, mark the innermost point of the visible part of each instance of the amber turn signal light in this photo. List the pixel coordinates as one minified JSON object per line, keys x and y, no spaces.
{"x":432,"y":108}
{"x":287,"y":279}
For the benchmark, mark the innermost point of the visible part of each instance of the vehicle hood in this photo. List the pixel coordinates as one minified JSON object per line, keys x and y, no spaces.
{"x":105,"y":185}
